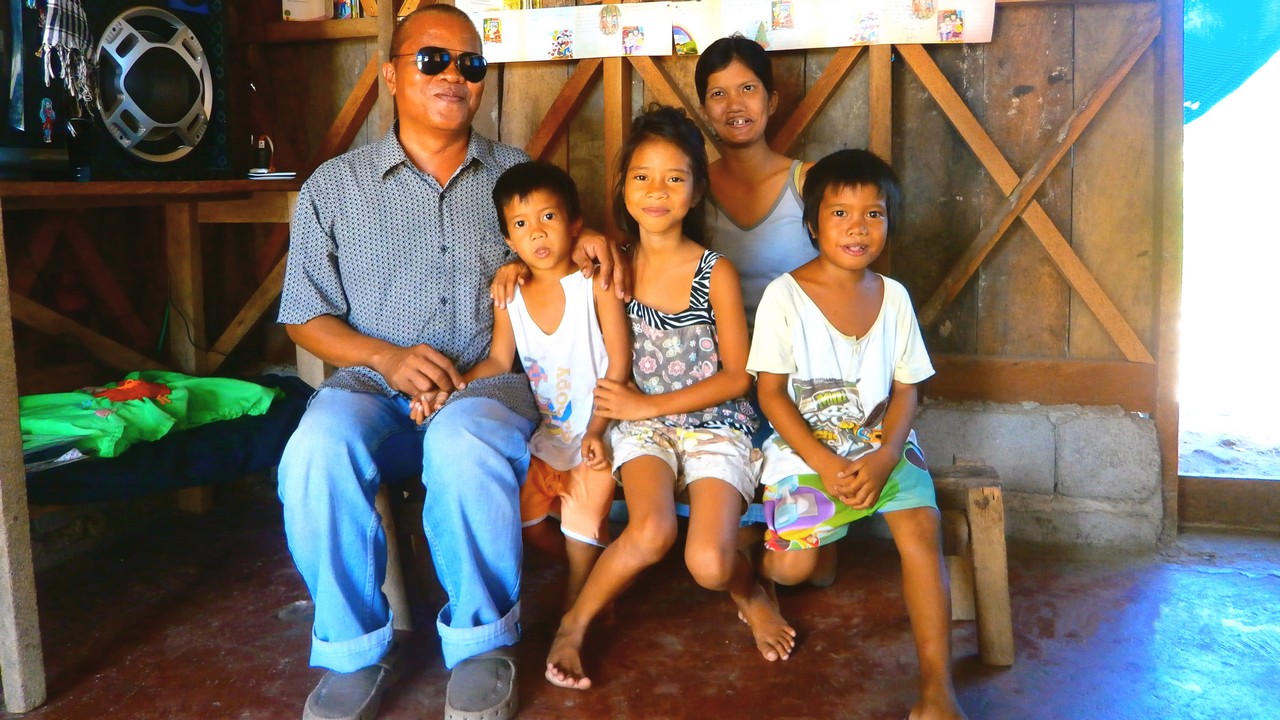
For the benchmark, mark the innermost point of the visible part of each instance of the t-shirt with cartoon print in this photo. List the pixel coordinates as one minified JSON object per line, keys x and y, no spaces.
{"x":839,"y":383}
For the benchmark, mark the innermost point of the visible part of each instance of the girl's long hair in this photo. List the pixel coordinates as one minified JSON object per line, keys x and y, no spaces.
{"x":662,"y":122}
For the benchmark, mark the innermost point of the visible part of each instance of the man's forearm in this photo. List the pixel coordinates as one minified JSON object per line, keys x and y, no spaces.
{"x":334,"y":341}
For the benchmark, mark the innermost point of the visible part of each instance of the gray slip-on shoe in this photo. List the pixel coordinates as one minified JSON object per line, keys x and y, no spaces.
{"x":483,"y":687}
{"x":353,"y":695}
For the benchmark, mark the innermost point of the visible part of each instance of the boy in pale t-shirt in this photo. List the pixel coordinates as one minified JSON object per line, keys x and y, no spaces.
{"x":837,"y":354}
{"x":567,"y":333}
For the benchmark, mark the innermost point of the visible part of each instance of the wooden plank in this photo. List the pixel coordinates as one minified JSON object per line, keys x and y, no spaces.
{"x":393,"y":583}
{"x":21,"y":654}
{"x":1113,"y":228}
{"x":591,"y":169}
{"x":1023,"y":194}
{"x":789,"y":131}
{"x":945,"y":184}
{"x":183,"y":252}
{"x":28,"y":265}
{"x":1028,"y":95}
{"x":40,"y":318}
{"x":991,"y":576}
{"x":880,"y":123}
{"x":119,"y":309}
{"x":1228,"y":503}
{"x":248,"y":316}
{"x":659,"y":84}
{"x":563,"y":109}
{"x":960,"y":575}
{"x":265,"y":207}
{"x":1053,"y":241}
{"x":617,"y":121}
{"x":1169,"y":267}
{"x":283,"y":32}
{"x":1048,"y":382}
{"x":952,"y":483}
{"x":383,"y":112}
{"x":354,"y":112}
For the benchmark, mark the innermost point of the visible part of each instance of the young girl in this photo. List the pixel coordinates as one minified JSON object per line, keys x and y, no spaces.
{"x":688,"y":425}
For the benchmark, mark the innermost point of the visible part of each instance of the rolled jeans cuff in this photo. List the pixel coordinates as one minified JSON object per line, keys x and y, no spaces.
{"x":346,"y":656}
{"x":458,"y":644}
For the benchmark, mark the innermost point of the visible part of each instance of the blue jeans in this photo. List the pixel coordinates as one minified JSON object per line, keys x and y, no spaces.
{"x":473,"y":459}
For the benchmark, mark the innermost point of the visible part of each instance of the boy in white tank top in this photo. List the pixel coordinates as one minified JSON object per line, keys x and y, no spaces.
{"x":567,"y":334}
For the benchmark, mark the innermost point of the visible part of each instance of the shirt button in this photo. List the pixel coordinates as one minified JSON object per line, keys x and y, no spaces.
{"x":444,"y":301}
{"x":444,"y":249}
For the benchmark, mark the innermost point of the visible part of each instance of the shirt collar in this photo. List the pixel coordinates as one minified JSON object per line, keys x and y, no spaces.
{"x":389,"y":152}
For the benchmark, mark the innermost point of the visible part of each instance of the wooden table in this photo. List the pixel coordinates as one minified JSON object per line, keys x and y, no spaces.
{"x":187,"y":204}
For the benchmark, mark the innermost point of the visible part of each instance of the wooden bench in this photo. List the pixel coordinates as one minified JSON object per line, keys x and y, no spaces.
{"x":973,"y":540}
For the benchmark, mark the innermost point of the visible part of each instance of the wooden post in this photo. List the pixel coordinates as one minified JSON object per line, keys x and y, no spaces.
{"x":617,"y":123}
{"x":21,"y":656}
{"x":393,"y":584}
{"x":1169,"y":233}
{"x":955,"y":549}
{"x":991,"y":575}
{"x":186,"y":314}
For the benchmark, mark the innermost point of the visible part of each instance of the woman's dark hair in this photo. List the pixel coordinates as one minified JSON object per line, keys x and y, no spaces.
{"x":524,"y":179}
{"x":850,"y":169}
{"x":662,"y":122}
{"x":720,"y":53}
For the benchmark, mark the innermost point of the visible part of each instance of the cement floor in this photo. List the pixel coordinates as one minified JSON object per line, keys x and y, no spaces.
{"x":205,"y":617}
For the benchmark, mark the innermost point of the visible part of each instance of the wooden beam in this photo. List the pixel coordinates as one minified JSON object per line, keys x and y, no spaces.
{"x":1021,"y":195}
{"x":880,"y":122}
{"x":556,"y":122}
{"x":353,"y":113}
{"x":104,"y":285}
{"x":617,"y":124}
{"x":249,"y":315}
{"x":42,"y":319}
{"x":1048,"y":382}
{"x":183,"y":252}
{"x":267,"y":207}
{"x":21,"y":654}
{"x":788,"y":134}
{"x":1169,"y":232}
{"x":1229,"y":503}
{"x":27,"y":266}
{"x":659,"y":83}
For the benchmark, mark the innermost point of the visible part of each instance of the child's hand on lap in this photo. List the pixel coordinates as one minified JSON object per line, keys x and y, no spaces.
{"x":595,"y":453}
{"x":621,"y":401}
{"x":863,"y":479}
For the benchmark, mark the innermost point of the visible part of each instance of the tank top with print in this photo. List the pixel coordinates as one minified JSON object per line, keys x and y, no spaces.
{"x":672,"y":351}
{"x":563,"y":368}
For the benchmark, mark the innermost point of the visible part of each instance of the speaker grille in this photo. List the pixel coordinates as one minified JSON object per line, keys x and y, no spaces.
{"x":155,"y":86}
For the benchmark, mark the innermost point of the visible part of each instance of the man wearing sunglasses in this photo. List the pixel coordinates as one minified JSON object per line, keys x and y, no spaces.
{"x":392,"y":248}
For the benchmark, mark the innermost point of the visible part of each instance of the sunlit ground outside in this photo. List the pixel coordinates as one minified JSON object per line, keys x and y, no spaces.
{"x":1229,"y":384}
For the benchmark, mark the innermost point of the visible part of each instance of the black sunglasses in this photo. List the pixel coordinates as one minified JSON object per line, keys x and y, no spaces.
{"x":433,"y":60}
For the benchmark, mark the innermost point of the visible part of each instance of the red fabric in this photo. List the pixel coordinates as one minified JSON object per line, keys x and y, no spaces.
{"x":136,"y":390}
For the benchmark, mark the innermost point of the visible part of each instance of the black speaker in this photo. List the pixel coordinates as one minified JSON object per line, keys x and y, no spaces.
{"x":162,"y":90}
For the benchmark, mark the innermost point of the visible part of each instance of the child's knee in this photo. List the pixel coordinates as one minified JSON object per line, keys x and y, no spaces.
{"x":791,"y":567}
{"x":650,"y":539}
{"x":711,"y":567}
{"x":916,"y":529}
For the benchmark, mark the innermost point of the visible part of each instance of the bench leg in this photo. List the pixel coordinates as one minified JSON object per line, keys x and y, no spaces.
{"x":959,"y":559}
{"x":991,"y":575}
{"x":393,"y":585}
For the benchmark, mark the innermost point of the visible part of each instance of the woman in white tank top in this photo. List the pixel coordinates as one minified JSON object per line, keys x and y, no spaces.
{"x":755,"y":210}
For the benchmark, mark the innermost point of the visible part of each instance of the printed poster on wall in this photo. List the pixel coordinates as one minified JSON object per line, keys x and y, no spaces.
{"x":567,"y":33}
{"x":664,"y":28}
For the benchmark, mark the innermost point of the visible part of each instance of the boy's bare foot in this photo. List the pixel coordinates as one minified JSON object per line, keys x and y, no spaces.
{"x":775,"y":639}
{"x":564,"y":660}
{"x":770,"y":589}
{"x":940,"y":707}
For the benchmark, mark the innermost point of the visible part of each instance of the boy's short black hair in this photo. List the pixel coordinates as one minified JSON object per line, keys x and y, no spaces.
{"x":849,"y":169}
{"x":521,"y":181}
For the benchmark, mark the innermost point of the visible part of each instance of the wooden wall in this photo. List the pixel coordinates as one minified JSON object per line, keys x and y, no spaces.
{"x":1065,"y":128}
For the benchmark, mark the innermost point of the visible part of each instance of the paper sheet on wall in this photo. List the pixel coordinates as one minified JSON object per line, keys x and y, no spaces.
{"x":574,"y":32}
{"x":613,"y":30}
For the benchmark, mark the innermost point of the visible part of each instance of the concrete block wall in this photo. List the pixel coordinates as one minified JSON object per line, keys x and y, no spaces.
{"x":1072,"y":474}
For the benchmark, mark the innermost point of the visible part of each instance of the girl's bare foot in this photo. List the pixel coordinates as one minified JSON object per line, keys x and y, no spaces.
{"x":775,"y":638}
{"x":564,"y":660}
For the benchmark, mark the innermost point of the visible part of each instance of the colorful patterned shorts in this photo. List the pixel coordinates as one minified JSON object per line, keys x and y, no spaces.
{"x":801,"y":515}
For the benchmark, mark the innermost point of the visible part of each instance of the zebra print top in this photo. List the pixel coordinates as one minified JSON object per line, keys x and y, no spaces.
{"x":676,"y":350}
